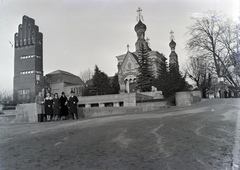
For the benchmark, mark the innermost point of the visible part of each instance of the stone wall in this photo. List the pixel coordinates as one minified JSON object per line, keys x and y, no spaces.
{"x":152,"y":104}
{"x":110,"y":111}
{"x":26,"y":113}
{"x":187,"y":98}
{"x":154,"y":94}
{"x":128,"y":99}
{"x":7,"y":118}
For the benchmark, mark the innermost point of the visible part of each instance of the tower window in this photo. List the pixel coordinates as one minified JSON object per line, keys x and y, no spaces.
{"x":25,"y":41}
{"x":38,"y":77}
{"x":33,"y":40}
{"x":23,"y":94}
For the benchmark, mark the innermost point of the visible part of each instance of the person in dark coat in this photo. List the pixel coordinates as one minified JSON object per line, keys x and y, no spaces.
{"x":63,"y":106}
{"x":56,"y":107}
{"x":48,"y":107}
{"x":72,"y":101}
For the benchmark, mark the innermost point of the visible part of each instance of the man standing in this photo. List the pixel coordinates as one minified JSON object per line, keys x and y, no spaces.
{"x":39,"y":106}
{"x":73,"y":100}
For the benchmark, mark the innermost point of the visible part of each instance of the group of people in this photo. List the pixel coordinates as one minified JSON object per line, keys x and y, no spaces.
{"x":54,"y":108}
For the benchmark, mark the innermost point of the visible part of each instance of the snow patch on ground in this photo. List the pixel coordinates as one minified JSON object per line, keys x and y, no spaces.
{"x":121,"y":140}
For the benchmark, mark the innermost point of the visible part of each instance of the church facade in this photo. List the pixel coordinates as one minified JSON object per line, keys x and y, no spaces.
{"x":128,"y":63}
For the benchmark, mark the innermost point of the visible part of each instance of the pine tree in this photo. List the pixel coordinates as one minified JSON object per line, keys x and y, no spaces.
{"x":115,"y":85}
{"x":101,"y":83}
{"x":170,"y":81}
{"x":162,"y":80}
{"x":144,"y":77}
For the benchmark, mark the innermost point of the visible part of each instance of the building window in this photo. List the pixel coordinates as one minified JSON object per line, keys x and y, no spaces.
{"x":30,"y":56}
{"x":28,"y":72}
{"x":24,"y":41}
{"x":38,"y":77}
{"x":33,"y":40}
{"x":24,"y":94}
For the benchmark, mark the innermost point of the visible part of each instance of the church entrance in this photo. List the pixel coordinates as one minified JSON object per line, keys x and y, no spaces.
{"x":132,"y":87}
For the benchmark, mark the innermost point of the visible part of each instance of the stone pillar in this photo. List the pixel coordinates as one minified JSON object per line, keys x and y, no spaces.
{"x":116,"y":104}
{"x":101,"y":105}
{"x":87,"y":105}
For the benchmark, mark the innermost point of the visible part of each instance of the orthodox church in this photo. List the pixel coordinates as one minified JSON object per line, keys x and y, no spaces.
{"x":128,"y":63}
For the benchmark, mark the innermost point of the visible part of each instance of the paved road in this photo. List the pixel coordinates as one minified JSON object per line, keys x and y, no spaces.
{"x":204,"y":136}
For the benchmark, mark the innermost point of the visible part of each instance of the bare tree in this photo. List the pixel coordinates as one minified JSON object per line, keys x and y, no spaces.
{"x":214,"y":36}
{"x":199,"y":70}
{"x":5,"y":97}
{"x":86,"y":75}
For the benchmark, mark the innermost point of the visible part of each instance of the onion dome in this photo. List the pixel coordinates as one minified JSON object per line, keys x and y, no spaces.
{"x":172,"y":44}
{"x":140,"y":27}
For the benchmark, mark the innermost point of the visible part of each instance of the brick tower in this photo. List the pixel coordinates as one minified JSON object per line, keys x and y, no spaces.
{"x":28,"y":62}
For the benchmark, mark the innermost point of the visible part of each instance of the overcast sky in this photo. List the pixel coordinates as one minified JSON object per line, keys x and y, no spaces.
{"x":79,"y":34}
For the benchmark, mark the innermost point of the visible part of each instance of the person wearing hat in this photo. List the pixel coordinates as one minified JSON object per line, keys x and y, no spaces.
{"x":63,"y":107}
{"x":48,"y":107}
{"x":73,"y":100}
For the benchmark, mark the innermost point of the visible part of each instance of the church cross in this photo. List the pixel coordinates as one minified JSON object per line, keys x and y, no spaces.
{"x":139,"y":17}
{"x":171,"y":35}
{"x":139,"y":11}
{"x":128,"y":47}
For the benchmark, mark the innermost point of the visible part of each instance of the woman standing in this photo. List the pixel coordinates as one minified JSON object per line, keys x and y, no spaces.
{"x":63,"y":106}
{"x":48,"y":107}
{"x":56,"y":107}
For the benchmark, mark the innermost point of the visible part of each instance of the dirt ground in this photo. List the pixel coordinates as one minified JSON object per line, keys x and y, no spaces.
{"x":182,"y":138}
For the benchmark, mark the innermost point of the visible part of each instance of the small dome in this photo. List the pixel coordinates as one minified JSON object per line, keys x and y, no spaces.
{"x":140,"y":27}
{"x":172,"y":44}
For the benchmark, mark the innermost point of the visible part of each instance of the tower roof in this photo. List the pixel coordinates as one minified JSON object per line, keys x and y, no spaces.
{"x":63,"y":76}
{"x":140,"y":27}
{"x":172,"y":44}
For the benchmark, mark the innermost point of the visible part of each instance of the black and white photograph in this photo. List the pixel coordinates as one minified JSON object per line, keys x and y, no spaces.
{"x":120,"y":85}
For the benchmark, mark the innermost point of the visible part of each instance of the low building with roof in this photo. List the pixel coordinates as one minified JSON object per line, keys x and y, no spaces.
{"x":62,"y":81}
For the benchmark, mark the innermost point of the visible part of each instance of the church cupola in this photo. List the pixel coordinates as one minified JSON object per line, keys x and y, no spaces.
{"x":172,"y":45}
{"x":140,"y":27}
{"x":173,"y":57}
